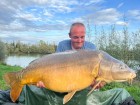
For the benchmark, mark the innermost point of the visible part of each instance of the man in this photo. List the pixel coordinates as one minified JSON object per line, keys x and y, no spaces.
{"x":77,"y":39}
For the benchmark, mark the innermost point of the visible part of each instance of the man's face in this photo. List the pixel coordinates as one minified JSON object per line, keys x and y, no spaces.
{"x":77,"y":36}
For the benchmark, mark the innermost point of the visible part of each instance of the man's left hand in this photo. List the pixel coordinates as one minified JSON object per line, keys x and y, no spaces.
{"x":102,"y":84}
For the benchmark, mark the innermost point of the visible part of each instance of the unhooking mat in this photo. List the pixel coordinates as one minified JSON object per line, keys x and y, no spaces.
{"x":32,"y":95}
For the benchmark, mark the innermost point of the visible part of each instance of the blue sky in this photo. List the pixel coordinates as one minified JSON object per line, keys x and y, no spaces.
{"x":29,"y":21}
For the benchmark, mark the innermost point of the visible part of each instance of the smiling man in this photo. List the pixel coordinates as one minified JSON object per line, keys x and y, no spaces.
{"x":77,"y":39}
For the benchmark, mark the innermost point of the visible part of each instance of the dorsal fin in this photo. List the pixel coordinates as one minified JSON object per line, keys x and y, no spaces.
{"x":96,"y":71}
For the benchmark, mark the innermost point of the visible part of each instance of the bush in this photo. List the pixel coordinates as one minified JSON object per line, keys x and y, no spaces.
{"x":2,"y":51}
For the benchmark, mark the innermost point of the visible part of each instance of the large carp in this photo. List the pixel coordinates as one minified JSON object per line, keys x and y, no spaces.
{"x":69,"y":72}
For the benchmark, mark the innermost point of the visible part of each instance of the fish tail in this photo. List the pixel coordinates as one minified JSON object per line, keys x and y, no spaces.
{"x":10,"y":78}
{"x":14,"y":82}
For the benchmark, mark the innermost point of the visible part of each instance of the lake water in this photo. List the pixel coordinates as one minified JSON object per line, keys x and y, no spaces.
{"x":22,"y":60}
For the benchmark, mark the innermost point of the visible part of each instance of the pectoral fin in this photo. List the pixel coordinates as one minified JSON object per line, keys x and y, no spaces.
{"x":68,"y":97}
{"x":95,"y":71}
{"x":94,"y":87}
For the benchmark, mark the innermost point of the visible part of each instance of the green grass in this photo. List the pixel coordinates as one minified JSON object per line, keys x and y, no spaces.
{"x":133,"y":89}
{"x":4,"y":69}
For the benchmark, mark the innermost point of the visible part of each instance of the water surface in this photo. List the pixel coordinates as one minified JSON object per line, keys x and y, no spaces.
{"x":20,"y":60}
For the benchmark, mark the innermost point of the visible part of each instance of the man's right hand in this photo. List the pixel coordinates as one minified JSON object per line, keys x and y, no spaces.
{"x":40,"y":84}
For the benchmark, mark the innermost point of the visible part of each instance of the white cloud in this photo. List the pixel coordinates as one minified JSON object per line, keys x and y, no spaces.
{"x":40,"y":1}
{"x":120,"y":5}
{"x":28,"y":16}
{"x":46,"y":13}
{"x":106,"y":16}
{"x":61,"y":22}
{"x":93,"y":2}
{"x":16,"y":25}
{"x":32,"y":10}
{"x":12,"y":27}
{"x":32,"y":38}
{"x":60,"y":5}
{"x":134,"y":14}
{"x":122,"y":23}
{"x":61,"y":9}
{"x":42,"y":16}
{"x":77,"y":20}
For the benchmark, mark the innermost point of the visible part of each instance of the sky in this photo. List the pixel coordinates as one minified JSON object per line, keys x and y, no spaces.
{"x":30,"y":21}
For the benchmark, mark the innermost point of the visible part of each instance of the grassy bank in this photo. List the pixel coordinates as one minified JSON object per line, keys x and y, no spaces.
{"x":3,"y":70}
{"x":133,"y":89}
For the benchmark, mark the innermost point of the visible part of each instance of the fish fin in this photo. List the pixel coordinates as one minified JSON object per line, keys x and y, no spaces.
{"x":10,"y":78}
{"x":95,"y":71}
{"x":14,"y":82}
{"x":68,"y":97}
{"x":15,"y":91}
{"x":94,"y":87}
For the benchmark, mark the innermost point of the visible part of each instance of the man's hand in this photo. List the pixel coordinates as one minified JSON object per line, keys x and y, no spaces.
{"x":40,"y":84}
{"x":102,"y":84}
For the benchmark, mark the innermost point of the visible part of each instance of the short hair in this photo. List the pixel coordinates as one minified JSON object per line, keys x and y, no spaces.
{"x":76,"y":24}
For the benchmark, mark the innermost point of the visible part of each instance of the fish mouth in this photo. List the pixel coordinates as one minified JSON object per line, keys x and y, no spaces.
{"x":134,"y":75}
{"x":129,"y":79}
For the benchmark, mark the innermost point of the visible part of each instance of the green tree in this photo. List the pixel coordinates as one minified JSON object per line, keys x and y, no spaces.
{"x":135,"y":40}
{"x":33,"y":49}
{"x":51,"y":48}
{"x":24,"y":48}
{"x":102,"y":40}
{"x":113,"y":46}
{"x":125,"y":45}
{"x":42,"y":46}
{"x":2,"y":51}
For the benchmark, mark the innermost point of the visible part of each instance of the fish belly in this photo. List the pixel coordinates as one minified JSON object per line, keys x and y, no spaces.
{"x":68,"y":79}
